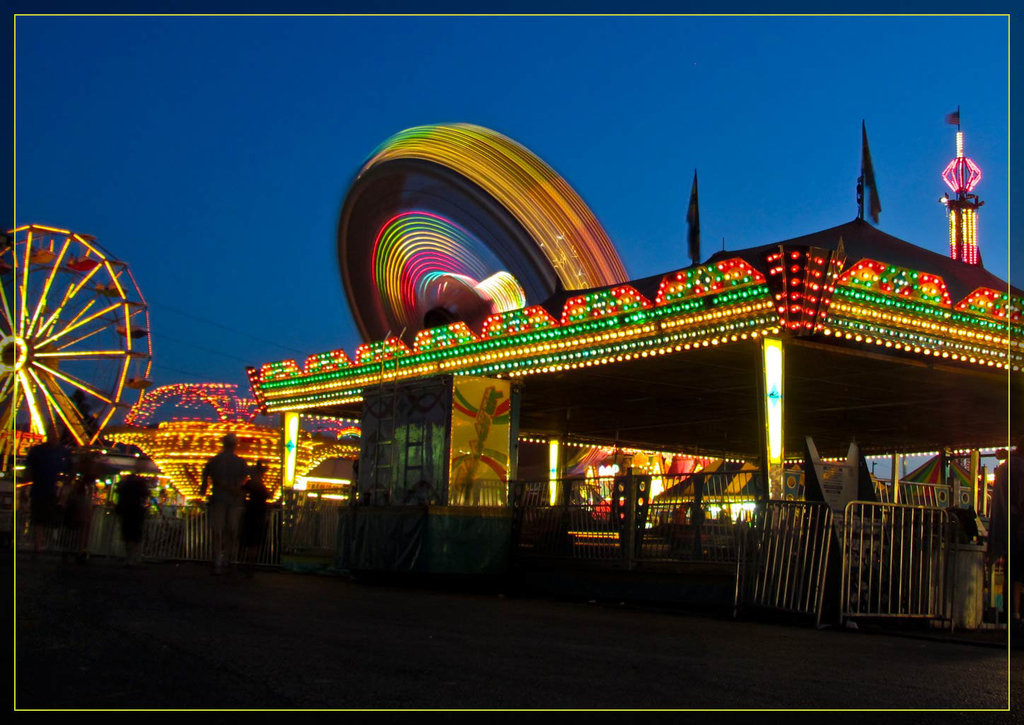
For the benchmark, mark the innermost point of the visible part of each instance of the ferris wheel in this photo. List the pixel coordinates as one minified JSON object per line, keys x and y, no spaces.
{"x":75,"y":333}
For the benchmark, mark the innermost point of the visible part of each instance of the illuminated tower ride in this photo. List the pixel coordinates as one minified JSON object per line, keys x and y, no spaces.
{"x":961,"y":176}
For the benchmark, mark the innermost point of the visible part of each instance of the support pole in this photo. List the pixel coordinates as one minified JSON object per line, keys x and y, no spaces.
{"x":554,"y":469}
{"x":289,"y":449}
{"x":982,"y":505}
{"x":896,"y":462}
{"x":772,"y":366}
{"x":975,"y":471}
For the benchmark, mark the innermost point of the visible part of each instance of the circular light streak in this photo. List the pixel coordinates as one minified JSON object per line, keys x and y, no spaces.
{"x":465,"y":201}
{"x":416,"y":250}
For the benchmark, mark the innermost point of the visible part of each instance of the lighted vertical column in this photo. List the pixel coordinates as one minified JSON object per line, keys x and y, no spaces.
{"x":772,"y":366}
{"x":289,"y":449}
{"x":554,"y":469}
{"x":975,"y":474}
{"x":896,"y":460}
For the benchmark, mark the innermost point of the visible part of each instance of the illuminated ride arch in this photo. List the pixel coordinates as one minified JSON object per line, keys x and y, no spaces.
{"x":222,"y":397}
{"x":74,"y":334}
{"x":449,"y":223}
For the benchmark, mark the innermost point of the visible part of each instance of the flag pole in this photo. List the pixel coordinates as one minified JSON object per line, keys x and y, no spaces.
{"x":860,"y":179}
{"x":693,"y":224}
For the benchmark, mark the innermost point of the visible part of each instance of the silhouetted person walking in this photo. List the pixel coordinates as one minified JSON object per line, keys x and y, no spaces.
{"x":46,"y":462}
{"x":78,"y":519}
{"x":227,"y":472}
{"x":132,"y":502}
{"x":1008,"y":502}
{"x":254,"y":523}
{"x":79,"y":505}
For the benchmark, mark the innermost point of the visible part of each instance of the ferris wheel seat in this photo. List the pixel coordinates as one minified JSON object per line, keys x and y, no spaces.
{"x":108,"y":290}
{"x":138,"y":383}
{"x":136,"y":331}
{"x":82,"y":264}
{"x":42,"y":256}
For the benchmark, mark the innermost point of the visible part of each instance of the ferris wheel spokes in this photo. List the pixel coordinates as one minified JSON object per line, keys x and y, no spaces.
{"x":69,"y":294}
{"x":80,"y":384}
{"x":41,"y":304}
{"x":6,"y":309}
{"x":37,"y":423}
{"x":60,"y":404}
{"x":77,"y":322}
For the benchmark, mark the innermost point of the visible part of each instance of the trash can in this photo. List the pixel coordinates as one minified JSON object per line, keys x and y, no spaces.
{"x":968,"y":585}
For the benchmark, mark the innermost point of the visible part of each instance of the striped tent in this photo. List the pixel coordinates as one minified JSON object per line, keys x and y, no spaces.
{"x":923,"y":486}
{"x":719,"y":484}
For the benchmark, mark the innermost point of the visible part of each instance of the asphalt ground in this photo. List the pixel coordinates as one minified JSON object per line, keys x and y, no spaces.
{"x":173,"y":636}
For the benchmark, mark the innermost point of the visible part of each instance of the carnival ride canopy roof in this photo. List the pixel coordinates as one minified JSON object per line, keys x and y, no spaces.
{"x":705,"y":400}
{"x":861,"y":240}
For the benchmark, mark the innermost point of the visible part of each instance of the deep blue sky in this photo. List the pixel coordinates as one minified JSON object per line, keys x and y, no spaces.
{"x":213,"y":154}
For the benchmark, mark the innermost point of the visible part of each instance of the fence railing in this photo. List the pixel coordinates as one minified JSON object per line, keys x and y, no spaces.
{"x":633,"y":518}
{"x":935,"y":495}
{"x":182,"y":533}
{"x":309,"y":524}
{"x":783,"y":563}
{"x":895,"y":561}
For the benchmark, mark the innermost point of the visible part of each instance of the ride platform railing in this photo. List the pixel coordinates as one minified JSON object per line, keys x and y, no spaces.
{"x":627,"y":520}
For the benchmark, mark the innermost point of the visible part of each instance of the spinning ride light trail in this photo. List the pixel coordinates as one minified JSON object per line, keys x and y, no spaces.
{"x":415,"y":251}
{"x":74,"y":333}
{"x":460,"y":220}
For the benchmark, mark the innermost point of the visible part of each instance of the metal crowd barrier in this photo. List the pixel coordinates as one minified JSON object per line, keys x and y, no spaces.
{"x":576,"y":527}
{"x":783,"y":562}
{"x":895,"y":561}
{"x":309,"y":524}
{"x":181,"y":533}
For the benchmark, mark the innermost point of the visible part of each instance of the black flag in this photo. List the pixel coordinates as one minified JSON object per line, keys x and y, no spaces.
{"x":867,"y":175}
{"x":693,"y":222}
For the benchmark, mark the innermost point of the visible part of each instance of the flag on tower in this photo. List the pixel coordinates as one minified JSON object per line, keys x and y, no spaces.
{"x":954,"y":117}
{"x":693,"y":223}
{"x":867,"y":175}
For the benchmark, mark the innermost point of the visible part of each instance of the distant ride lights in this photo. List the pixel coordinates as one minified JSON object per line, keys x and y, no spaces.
{"x":181,"y":447}
{"x":962,"y":176}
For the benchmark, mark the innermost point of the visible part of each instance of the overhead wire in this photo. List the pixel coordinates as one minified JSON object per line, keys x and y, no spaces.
{"x":206,"y":321}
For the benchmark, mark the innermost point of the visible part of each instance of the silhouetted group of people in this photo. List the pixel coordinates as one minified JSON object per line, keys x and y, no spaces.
{"x":237,"y":505}
{"x":49,"y":465}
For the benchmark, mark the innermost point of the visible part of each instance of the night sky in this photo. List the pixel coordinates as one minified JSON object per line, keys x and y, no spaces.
{"x":213,"y":154}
